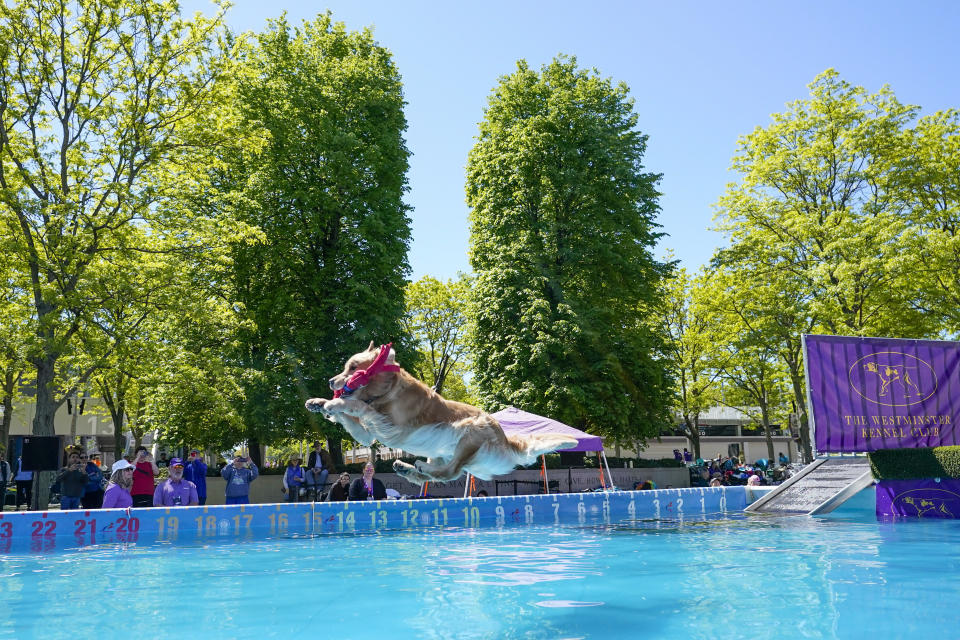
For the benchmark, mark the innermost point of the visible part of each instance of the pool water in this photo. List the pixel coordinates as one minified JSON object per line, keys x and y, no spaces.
{"x":795,"y":577}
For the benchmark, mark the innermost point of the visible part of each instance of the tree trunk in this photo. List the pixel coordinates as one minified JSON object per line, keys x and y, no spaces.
{"x":74,"y":413}
{"x":253,"y":450}
{"x":9,"y":387}
{"x":765,"y":417}
{"x":118,"y":413}
{"x":335,"y":447}
{"x":806,"y":452}
{"x":693,"y":434}
{"x":805,"y":449}
{"x":7,"y":419}
{"x":43,"y":425}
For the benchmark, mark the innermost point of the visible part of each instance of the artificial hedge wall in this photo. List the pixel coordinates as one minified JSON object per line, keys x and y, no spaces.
{"x":908,"y":464}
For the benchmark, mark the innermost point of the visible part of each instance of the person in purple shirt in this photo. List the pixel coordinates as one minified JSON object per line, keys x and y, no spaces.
{"x":117,"y":495}
{"x":175,"y":491}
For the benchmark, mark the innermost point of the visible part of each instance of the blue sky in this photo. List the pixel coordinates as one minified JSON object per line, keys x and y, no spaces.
{"x":702,"y":74}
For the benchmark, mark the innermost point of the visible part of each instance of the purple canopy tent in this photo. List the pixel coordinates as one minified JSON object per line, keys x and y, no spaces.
{"x":519,"y":423}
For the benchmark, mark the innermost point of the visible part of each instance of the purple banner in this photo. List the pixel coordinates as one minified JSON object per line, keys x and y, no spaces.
{"x":882,"y":393}
{"x":926,"y":498}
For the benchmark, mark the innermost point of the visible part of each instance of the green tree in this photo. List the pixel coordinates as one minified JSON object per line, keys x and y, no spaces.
{"x":931,"y":178}
{"x":325,"y":190}
{"x":747,"y":356}
{"x":687,"y":320}
{"x":562,"y":226}
{"x":14,"y":338}
{"x":96,"y":101}
{"x":436,"y":319}
{"x":820,"y":199}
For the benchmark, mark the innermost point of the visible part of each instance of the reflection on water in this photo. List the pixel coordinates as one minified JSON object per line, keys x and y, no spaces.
{"x":800,"y":576}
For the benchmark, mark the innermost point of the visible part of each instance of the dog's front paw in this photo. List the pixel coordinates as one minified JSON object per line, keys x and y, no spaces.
{"x":318,"y":405}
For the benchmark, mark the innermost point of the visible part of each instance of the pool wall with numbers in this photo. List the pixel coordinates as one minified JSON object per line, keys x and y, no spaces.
{"x":47,"y":531}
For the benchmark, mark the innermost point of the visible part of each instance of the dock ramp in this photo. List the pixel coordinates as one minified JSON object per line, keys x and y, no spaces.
{"x":820,"y":487}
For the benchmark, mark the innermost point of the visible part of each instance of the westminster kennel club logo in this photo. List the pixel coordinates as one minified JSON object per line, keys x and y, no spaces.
{"x":928,"y":503}
{"x":893,"y":379}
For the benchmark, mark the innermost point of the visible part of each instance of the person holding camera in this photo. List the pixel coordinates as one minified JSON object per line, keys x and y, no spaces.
{"x":195,"y":470}
{"x":73,"y":481}
{"x":175,"y":491}
{"x":239,"y":474}
{"x":93,"y":493}
{"x":145,"y":470}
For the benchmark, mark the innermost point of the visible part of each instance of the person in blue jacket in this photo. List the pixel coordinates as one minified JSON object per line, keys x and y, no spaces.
{"x":195,"y":470}
{"x":239,"y":474}
{"x":93,"y":492}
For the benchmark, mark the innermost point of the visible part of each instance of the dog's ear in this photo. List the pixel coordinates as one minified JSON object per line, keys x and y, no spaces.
{"x":392,"y":357}
{"x":371,"y":347}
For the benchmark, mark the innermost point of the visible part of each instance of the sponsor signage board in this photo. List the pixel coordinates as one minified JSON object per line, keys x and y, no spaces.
{"x":922,"y":498}
{"x":866,"y":394}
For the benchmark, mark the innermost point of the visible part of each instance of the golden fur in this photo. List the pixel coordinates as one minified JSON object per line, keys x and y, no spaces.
{"x":401,"y":412}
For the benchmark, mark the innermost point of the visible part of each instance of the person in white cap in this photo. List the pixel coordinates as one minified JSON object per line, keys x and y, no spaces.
{"x":117,"y":495}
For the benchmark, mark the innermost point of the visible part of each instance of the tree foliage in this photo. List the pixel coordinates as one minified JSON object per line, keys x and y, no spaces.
{"x":436,"y":319}
{"x":844,"y":221}
{"x":324,"y":189}
{"x":930,"y":179}
{"x":562,"y":224}
{"x":94,"y":103}
{"x":688,"y":320}
{"x":820,"y":200}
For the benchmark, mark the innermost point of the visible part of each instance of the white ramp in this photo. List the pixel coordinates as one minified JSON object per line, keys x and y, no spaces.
{"x":820,"y":487}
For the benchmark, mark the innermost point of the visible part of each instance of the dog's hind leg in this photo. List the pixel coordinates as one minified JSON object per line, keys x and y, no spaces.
{"x":443,"y":470}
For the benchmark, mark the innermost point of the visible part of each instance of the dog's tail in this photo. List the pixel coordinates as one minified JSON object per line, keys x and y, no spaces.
{"x":530,"y":447}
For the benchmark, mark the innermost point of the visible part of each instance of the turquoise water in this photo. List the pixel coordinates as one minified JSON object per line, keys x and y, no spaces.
{"x":696,"y":578}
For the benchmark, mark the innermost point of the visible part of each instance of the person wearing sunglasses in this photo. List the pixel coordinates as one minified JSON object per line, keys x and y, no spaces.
{"x":93,"y":493}
{"x":367,"y":487}
{"x":117,"y":495}
{"x":175,"y":491}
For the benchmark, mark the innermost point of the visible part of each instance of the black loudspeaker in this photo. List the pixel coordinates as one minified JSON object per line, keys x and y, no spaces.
{"x":41,"y":453}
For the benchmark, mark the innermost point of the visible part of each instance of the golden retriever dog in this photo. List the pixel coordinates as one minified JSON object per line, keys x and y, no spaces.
{"x":380,"y":401}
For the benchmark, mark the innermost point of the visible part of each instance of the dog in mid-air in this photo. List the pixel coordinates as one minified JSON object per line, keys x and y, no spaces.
{"x":375,"y":399}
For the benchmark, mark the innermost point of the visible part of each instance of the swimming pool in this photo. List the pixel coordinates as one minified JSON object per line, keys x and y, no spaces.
{"x":691,"y":576}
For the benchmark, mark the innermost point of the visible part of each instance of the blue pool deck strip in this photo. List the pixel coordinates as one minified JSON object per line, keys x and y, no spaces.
{"x":47,"y":531}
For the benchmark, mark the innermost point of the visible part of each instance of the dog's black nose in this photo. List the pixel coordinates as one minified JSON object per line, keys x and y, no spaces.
{"x":330,"y":382}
